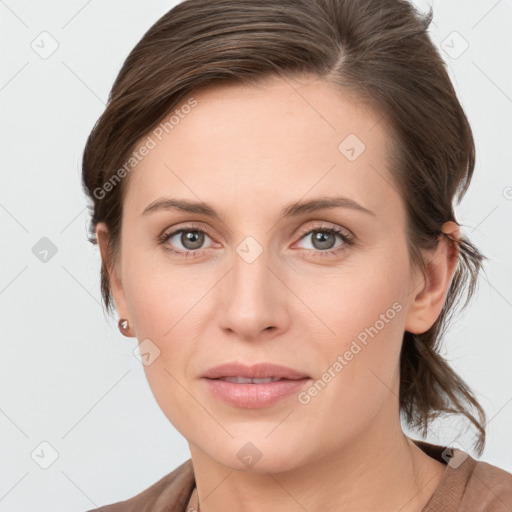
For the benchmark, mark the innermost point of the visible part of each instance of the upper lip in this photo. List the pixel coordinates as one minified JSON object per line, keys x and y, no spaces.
{"x":255,"y":371}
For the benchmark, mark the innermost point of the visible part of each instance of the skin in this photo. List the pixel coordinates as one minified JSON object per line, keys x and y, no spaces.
{"x":249,"y":151}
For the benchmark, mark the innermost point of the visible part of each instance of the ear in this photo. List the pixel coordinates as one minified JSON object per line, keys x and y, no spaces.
{"x":114,"y":272}
{"x":427,"y":304}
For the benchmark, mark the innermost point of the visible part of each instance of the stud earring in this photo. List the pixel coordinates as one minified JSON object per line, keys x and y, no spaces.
{"x":123,"y":327}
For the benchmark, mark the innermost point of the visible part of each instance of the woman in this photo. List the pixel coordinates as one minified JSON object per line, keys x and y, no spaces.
{"x":287,"y":338}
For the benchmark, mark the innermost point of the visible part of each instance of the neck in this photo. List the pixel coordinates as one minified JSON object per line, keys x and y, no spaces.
{"x":372,"y":472}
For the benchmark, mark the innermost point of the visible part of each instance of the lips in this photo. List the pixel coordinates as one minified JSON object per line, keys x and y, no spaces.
{"x":253,"y":387}
{"x":242,"y":373}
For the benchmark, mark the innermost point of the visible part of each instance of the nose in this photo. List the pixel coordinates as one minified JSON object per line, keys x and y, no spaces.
{"x":252,"y":297}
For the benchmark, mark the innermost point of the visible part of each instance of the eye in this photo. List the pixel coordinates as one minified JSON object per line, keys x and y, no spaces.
{"x":191,"y":240}
{"x":323,"y":240}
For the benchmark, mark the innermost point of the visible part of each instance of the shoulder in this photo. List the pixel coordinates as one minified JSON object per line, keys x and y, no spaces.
{"x":489,"y":487}
{"x":468,"y":484}
{"x":170,"y":494}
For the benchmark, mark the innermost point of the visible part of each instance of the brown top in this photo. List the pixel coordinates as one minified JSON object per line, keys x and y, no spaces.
{"x":468,"y":485}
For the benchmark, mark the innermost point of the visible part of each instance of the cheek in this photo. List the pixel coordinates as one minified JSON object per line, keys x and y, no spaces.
{"x":347,"y":301}
{"x":171,"y":316}
{"x":362,"y":313}
{"x":161,"y":294}
{"x":168,"y":307}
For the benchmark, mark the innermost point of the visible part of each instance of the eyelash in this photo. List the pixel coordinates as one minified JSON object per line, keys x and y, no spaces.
{"x":348,"y":240}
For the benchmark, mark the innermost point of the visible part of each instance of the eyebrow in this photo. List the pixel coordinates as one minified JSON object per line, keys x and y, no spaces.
{"x":292,"y":210}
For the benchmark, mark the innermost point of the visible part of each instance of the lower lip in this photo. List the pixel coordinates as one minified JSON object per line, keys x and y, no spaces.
{"x":254,"y":396}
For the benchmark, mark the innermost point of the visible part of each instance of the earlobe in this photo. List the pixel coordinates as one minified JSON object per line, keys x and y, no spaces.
{"x":427,"y":304}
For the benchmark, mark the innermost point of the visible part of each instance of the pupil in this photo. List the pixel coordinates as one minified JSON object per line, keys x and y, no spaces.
{"x":192,"y":239}
{"x":320,"y":238}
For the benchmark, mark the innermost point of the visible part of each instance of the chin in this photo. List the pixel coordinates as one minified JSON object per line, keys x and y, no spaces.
{"x":258,"y":453}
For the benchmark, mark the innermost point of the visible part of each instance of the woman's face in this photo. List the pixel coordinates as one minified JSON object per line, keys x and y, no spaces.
{"x":249,"y":284}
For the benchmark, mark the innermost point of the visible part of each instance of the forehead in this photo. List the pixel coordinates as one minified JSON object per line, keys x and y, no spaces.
{"x":282,"y":139}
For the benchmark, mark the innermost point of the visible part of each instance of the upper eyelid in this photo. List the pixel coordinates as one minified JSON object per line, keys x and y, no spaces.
{"x":327,"y":227}
{"x":318,"y":226}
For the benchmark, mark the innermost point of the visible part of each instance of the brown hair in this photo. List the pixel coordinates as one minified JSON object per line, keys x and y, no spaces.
{"x":378,"y":50}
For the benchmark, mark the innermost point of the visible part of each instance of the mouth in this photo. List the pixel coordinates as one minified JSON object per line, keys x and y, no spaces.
{"x":247,"y":380}
{"x":256,"y":386}
{"x":254,"y":372}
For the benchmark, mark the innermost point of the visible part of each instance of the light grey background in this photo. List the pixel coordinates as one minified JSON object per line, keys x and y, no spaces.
{"x":68,"y":377}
